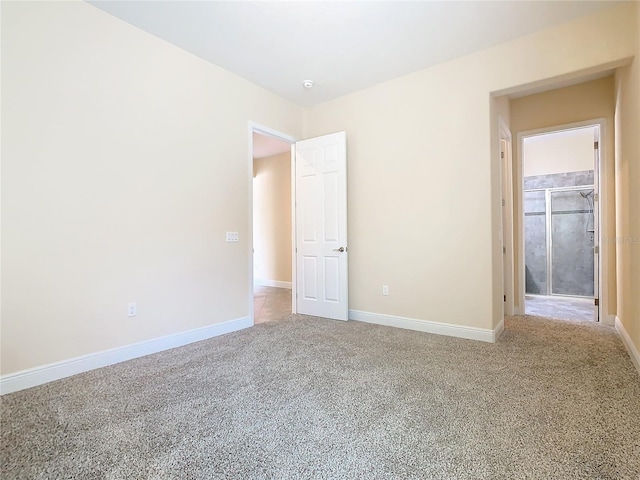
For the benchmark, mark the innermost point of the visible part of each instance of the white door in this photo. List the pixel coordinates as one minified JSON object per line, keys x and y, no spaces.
{"x":321,"y":226}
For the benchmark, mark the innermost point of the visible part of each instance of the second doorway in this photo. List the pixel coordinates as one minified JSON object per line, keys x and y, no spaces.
{"x":272,"y":236}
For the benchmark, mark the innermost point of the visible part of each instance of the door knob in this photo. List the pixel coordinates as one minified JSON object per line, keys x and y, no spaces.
{"x":341,"y":249}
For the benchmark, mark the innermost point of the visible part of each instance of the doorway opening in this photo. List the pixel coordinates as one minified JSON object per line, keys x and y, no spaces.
{"x":317,"y":226}
{"x":271,"y":187}
{"x":561,"y":212}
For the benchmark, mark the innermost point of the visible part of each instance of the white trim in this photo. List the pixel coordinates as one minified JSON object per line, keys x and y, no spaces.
{"x":471,"y":333}
{"x":626,"y":339}
{"x":272,"y":283}
{"x":66,"y":368}
{"x":605,"y":199}
{"x":294,"y":248}
{"x":270,"y":132}
{"x":506,"y":174}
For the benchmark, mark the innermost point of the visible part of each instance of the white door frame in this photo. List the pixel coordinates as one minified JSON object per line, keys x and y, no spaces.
{"x":506,"y":170}
{"x":604,"y":199}
{"x":270,"y":132}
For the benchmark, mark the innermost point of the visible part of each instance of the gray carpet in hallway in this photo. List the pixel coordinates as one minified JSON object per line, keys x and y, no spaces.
{"x":319,"y":399}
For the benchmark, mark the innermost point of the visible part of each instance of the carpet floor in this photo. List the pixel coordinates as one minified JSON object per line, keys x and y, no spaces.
{"x":313,"y":398}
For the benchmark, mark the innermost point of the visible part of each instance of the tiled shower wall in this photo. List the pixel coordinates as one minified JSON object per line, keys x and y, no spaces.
{"x":572,"y":236}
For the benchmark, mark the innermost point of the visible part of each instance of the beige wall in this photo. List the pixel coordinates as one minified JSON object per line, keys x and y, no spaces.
{"x":423,"y":205}
{"x":126,"y":159}
{"x":585,"y":101}
{"x":124,"y":162}
{"x":272,"y":217}
{"x":559,"y":152}
{"x":627,"y":235}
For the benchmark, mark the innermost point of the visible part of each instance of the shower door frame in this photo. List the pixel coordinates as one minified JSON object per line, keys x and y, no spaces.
{"x":548,"y":234}
{"x":601,"y":181}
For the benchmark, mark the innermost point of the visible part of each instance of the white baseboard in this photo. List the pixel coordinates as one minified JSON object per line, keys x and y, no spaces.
{"x":631,"y":348}
{"x":66,"y":368}
{"x":272,"y":283}
{"x":471,"y":333}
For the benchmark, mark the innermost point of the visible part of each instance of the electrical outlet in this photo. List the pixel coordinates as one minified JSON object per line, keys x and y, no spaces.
{"x":132,"y":309}
{"x":385,"y":289}
{"x":232,"y":236}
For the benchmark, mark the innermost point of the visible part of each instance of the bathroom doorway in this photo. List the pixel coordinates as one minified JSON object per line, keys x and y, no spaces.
{"x":560,"y":202}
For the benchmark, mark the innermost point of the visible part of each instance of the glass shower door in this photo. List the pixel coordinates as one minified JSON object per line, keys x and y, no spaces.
{"x":572,"y":241}
{"x":535,"y":226}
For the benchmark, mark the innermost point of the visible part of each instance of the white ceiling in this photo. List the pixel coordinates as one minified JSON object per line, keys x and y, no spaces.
{"x":264,"y":146}
{"x":343,"y":46}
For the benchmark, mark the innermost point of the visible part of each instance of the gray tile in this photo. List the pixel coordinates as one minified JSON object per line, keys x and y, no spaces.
{"x":568,"y":179}
{"x":563,"y":308}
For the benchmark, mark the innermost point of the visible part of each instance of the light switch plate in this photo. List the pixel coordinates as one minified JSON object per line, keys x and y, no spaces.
{"x":232,"y":236}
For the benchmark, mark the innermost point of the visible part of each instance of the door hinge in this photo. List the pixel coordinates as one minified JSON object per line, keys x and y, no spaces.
{"x":596,"y":197}
{"x":596,"y":250}
{"x":596,"y":302}
{"x":504,"y":250}
{"x":502,"y":155}
{"x":503,"y":202}
{"x":596,"y":145}
{"x":505,"y":298}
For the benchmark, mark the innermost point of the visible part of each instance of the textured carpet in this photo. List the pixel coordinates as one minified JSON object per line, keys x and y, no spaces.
{"x":313,"y":398}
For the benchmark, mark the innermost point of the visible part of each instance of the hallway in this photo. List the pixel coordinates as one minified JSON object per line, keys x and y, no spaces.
{"x":270,"y":303}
